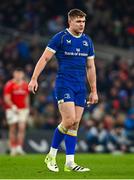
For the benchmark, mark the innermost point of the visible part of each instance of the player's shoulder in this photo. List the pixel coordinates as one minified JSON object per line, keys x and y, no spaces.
{"x":9,"y":83}
{"x":60,"y":34}
{"x":87,"y":37}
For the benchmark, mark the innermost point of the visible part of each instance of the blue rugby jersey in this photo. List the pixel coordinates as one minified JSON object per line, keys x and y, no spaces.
{"x":71,"y":52}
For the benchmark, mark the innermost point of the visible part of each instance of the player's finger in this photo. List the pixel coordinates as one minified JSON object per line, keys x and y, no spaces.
{"x":30,"y":88}
{"x":96,"y":101}
{"x":33,"y":90}
{"x":91,"y":100}
{"x":88,"y":103}
{"x":36,"y":87}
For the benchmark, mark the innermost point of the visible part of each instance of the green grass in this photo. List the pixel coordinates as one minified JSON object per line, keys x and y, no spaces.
{"x":102,"y":167}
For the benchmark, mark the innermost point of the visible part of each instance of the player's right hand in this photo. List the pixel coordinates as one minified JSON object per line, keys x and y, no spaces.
{"x":33,"y":86}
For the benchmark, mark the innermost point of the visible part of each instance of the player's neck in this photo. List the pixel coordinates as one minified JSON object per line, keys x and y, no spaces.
{"x":73,"y":33}
{"x":17,"y":81}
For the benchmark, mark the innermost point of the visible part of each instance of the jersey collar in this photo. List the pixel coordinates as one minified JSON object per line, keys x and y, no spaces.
{"x":73,"y":34}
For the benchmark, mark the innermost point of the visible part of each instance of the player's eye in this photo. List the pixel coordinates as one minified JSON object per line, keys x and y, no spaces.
{"x":81,"y":21}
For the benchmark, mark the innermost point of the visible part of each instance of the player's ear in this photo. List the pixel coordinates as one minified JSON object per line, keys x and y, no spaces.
{"x":69,"y":20}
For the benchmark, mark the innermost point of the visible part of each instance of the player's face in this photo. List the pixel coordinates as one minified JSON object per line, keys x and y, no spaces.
{"x":77,"y":24}
{"x":18,"y":75}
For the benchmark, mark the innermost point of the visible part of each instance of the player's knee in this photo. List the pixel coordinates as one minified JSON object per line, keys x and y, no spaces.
{"x":22,"y":128}
{"x":75,"y":125}
{"x":69,"y":122}
{"x":76,"y":121}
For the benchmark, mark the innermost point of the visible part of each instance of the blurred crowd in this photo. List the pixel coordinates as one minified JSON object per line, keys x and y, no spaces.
{"x":109,"y":125}
{"x":110,"y":22}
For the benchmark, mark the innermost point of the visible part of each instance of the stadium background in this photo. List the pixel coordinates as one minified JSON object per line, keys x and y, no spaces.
{"x":25,"y":28}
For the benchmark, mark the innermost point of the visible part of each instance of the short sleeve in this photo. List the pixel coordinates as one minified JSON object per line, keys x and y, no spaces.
{"x":91,"y":53}
{"x":8,"y":88}
{"x":54,"y":43}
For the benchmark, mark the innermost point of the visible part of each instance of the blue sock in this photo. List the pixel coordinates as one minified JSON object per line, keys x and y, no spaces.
{"x":70,"y":143}
{"x":57,"y":138}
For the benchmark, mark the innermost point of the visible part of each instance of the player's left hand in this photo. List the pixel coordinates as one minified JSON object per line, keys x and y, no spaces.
{"x":33,"y":86}
{"x":93,"y":98}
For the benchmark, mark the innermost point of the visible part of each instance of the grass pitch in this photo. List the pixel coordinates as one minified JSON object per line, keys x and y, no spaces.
{"x":103,"y":166}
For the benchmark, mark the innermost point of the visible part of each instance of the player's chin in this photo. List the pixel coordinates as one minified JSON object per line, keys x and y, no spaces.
{"x":81,"y":30}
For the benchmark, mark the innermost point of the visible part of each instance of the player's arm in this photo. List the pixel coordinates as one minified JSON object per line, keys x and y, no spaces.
{"x":91,"y":77}
{"x":8,"y":101}
{"x":51,"y":49}
{"x":46,"y":56}
{"x":7,"y":95}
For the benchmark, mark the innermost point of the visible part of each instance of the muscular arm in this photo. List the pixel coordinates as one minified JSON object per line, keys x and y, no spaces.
{"x":91,"y":74}
{"x":7,"y":99}
{"x":46,"y":56}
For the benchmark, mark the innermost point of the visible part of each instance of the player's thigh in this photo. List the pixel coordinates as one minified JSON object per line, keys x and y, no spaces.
{"x":21,"y":126}
{"x":79,"y":111}
{"x":64,"y":94}
{"x":12,"y":128}
{"x":67,"y":111}
{"x":23,"y":115}
{"x":80,"y":99}
{"x":65,"y":100}
{"x":11,"y":117}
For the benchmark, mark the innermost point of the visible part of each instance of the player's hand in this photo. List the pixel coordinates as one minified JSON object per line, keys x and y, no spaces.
{"x":93,"y":98}
{"x":14,"y":108}
{"x":33,"y":86}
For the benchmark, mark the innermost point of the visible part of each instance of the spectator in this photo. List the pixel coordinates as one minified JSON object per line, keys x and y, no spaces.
{"x":129,"y":125}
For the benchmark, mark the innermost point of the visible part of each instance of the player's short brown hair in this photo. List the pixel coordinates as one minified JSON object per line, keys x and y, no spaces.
{"x":75,"y":13}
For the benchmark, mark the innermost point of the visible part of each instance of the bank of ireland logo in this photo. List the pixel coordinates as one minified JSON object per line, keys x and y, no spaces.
{"x":85,"y":43}
{"x":78,"y":49}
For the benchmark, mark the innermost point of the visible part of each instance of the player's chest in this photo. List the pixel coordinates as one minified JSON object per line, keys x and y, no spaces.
{"x":19,"y":89}
{"x":75,"y":45}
